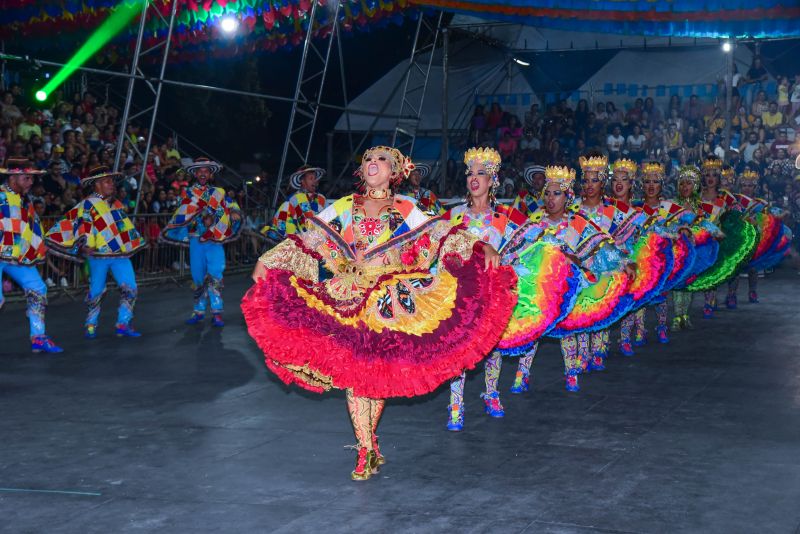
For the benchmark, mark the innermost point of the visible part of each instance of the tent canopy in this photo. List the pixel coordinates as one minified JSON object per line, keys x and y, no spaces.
{"x":474,"y":69}
{"x":683,"y":18}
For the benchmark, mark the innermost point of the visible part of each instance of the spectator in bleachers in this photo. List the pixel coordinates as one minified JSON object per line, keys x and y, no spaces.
{"x":772,"y":118}
{"x":760,"y":104}
{"x":615,"y":143}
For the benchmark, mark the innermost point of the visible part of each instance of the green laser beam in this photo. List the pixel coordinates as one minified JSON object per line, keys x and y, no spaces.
{"x":119,"y":18}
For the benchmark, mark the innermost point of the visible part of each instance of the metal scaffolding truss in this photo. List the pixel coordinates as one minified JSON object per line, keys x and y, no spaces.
{"x":309,"y":88}
{"x":154,"y":85}
{"x":317,"y":57}
{"x":416,"y":82}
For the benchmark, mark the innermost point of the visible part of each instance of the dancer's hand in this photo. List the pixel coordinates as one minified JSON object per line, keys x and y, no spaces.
{"x":491,"y":256}
{"x":630,"y":270}
{"x":260,"y":272}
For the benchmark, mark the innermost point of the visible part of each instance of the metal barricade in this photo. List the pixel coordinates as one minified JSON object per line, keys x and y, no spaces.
{"x":156,"y":263}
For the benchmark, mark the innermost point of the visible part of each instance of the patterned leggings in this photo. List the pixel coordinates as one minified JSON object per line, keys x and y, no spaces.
{"x":634,"y":323}
{"x":364,"y":415}
{"x":492,"y":367}
{"x":752,"y":282}
{"x":682,"y":301}
{"x":592,"y":345}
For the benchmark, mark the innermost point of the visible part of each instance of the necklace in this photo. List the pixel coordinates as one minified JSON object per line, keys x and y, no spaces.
{"x":377,"y":194}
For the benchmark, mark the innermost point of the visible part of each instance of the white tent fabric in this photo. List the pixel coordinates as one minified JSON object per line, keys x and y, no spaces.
{"x":533,"y":39}
{"x":663,"y":67}
{"x":475,"y":69}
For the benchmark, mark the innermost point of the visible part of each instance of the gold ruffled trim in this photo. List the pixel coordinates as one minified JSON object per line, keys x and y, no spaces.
{"x":308,"y":375}
{"x":460,"y":243}
{"x":286,"y":255}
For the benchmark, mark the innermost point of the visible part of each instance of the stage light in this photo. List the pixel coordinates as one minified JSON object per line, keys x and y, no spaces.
{"x":41,"y":96}
{"x":229,"y":24}
{"x":118,"y":19}
{"x":521,"y":62}
{"x":727,"y":47}
{"x":258,"y":178}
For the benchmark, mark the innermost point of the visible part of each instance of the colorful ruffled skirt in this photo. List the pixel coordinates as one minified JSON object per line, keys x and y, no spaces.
{"x":774,"y":241}
{"x":381,"y":331}
{"x":598,"y":305}
{"x":735,"y":251}
{"x":547,"y":287}
{"x":683,"y":259}
{"x":652,"y":254}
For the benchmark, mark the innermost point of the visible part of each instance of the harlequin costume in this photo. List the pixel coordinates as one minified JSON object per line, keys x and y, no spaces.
{"x":735,"y":250}
{"x":187,"y":227}
{"x":23,"y":248}
{"x":547,"y":284}
{"x":674,"y":222}
{"x":352,"y":303}
{"x":100,"y":228}
{"x":528,"y":199}
{"x":292,"y":214}
{"x":426,"y":200}
{"x":603,"y":295}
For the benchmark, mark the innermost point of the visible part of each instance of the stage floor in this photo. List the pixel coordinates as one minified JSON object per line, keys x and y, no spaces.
{"x":183,"y":430}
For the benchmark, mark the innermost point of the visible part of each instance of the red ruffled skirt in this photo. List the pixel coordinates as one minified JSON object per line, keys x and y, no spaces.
{"x":408,"y":333}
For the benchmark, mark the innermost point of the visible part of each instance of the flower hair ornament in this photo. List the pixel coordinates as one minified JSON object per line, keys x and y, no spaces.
{"x":401,"y":165}
{"x":491,"y":160}
{"x":689,"y":173}
{"x":598,"y":164}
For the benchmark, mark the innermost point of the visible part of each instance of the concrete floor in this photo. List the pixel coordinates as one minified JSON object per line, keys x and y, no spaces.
{"x":183,"y":430}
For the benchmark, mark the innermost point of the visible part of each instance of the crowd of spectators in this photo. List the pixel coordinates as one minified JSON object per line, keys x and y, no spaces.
{"x":67,"y":137}
{"x":764,"y":134}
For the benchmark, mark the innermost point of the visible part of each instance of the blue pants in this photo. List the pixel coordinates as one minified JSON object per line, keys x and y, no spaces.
{"x":28,"y":278}
{"x":122,"y":271}
{"x":207,"y":263}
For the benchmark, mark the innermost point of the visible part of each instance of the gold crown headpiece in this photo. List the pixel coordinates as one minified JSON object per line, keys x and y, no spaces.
{"x":625,"y":165}
{"x":713,"y":164}
{"x":561,"y":175}
{"x":750,"y":176}
{"x":597,"y":164}
{"x":727,"y":172}
{"x":654,"y":167}
{"x":689,"y":173}
{"x":489,"y":157}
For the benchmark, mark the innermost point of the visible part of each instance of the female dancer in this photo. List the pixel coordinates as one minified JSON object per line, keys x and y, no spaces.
{"x":546,"y":285}
{"x":705,"y":235}
{"x":741,"y":238}
{"x":607,"y":273}
{"x":623,"y":223}
{"x":671,"y":220}
{"x":352,"y":303}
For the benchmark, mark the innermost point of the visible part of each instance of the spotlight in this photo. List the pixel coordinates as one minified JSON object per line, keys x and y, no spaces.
{"x":521,"y":62}
{"x":41,"y":96}
{"x":258,"y":178}
{"x":727,"y":47}
{"x":229,"y":24}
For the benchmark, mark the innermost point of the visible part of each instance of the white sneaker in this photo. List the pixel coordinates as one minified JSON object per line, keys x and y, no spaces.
{"x":63,"y":282}
{"x":49,"y":282}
